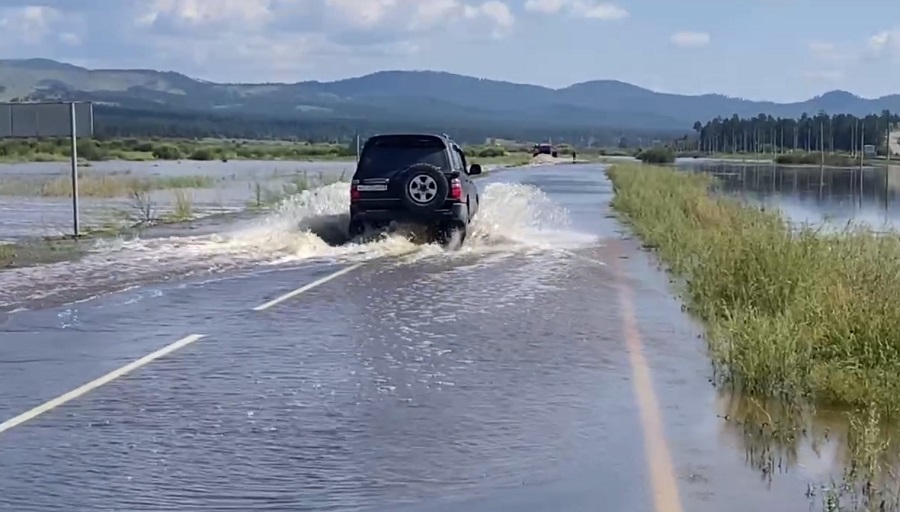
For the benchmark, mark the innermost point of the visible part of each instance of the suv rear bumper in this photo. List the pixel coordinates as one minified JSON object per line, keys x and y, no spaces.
{"x":455,"y":213}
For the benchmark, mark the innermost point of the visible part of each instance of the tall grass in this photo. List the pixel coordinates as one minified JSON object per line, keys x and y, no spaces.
{"x":7,"y":254}
{"x":792,"y":312}
{"x":184,"y":206}
{"x":100,"y":185}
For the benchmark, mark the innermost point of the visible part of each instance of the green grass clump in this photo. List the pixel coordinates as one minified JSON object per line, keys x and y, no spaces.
{"x":791,"y":312}
{"x":832,"y":160}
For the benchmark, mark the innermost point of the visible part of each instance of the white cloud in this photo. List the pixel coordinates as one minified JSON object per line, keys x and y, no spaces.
{"x":579,"y":8}
{"x":884,"y":44}
{"x":545,"y":6}
{"x":824,"y":75}
{"x":839,"y":60}
{"x":830,"y":53}
{"x":496,"y":11}
{"x":687,"y":39}
{"x":246,"y":39}
{"x":601,"y":11}
{"x":821,"y":48}
{"x":28,"y":24}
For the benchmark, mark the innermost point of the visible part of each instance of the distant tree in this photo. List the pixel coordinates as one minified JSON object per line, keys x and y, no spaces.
{"x":840,"y":132}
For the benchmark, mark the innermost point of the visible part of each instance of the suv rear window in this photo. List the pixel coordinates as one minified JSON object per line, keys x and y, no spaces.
{"x":385,"y":156}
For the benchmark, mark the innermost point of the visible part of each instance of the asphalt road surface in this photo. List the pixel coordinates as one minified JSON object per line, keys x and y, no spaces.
{"x":560,"y":375}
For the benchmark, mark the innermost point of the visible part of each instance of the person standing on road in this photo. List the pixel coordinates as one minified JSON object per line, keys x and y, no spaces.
{"x":573,"y":157}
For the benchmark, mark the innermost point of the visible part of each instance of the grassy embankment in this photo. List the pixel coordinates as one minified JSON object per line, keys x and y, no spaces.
{"x":793,"y":314}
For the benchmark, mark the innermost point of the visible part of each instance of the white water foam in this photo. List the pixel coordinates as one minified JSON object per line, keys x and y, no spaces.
{"x":314,"y":225}
{"x":308,"y":227}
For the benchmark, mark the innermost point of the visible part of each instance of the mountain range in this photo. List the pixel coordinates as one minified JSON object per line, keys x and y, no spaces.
{"x":421,"y":95}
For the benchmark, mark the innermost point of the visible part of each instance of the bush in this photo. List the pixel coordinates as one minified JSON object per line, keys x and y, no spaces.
{"x":656,"y":156}
{"x":167,"y":152}
{"x":203,"y":154}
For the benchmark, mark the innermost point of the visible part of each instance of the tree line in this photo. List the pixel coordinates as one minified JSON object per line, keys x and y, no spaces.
{"x":764,"y":133}
{"x":117,"y":122}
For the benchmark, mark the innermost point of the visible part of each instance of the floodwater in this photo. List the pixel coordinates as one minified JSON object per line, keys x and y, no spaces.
{"x":503,"y":376}
{"x":235,"y":185}
{"x":833,"y":196}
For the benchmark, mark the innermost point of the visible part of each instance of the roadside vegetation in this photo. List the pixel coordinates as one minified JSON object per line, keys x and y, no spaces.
{"x":793,"y":314}
{"x":107,"y":185}
{"x":132,"y":149}
{"x":40,"y":252}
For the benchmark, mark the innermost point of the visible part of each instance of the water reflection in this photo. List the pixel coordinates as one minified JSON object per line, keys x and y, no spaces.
{"x":817,"y":195}
{"x":849,"y":460}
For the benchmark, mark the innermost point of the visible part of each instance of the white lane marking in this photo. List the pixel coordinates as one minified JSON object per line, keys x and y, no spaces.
{"x":307,"y":287}
{"x":94,"y":384}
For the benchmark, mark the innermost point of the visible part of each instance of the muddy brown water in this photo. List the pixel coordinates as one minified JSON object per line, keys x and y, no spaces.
{"x":499,"y":377}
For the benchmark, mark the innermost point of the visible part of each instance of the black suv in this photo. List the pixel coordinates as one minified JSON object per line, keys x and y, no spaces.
{"x":414,"y":178}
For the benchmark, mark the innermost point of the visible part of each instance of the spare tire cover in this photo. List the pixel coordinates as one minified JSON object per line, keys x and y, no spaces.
{"x":424,"y":187}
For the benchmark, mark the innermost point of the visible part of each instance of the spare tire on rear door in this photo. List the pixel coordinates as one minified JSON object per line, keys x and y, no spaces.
{"x":425,"y":187}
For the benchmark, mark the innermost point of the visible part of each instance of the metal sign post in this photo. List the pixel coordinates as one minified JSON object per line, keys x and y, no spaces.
{"x":74,"y":160}
{"x":51,"y":119}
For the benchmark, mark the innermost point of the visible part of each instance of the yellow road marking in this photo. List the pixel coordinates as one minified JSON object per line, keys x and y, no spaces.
{"x":659,"y":461}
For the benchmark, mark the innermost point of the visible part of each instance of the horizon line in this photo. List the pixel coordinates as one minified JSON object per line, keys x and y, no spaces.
{"x":400,"y":70}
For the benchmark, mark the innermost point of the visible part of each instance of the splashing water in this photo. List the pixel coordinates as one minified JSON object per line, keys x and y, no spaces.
{"x":314,"y":225}
{"x":307,"y":227}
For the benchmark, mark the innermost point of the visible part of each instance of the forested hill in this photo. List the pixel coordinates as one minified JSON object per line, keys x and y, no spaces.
{"x":140,"y":102}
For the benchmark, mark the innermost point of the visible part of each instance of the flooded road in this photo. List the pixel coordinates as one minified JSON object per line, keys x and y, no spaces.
{"x":228,"y":187}
{"x":544,"y":367}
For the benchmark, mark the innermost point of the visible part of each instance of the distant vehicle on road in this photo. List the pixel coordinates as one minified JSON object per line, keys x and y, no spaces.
{"x":414,"y":178}
{"x":543,"y":149}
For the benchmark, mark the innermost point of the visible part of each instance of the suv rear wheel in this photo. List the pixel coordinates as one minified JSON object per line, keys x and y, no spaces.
{"x":452,"y":235}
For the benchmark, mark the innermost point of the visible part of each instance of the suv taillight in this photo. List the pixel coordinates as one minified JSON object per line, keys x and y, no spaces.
{"x":354,"y":192}
{"x":455,"y":190}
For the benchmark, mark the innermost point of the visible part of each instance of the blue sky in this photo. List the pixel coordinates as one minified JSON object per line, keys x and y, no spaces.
{"x":783,"y":50}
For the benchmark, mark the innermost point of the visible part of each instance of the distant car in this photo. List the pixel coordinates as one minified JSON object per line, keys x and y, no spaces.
{"x":414,"y":178}
{"x":543,"y":149}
